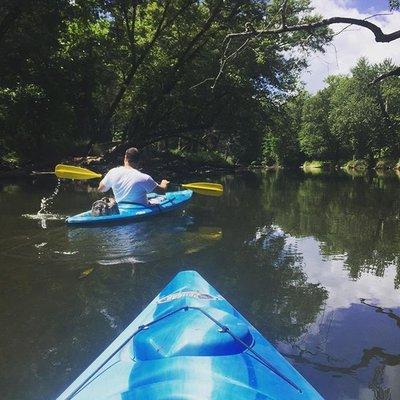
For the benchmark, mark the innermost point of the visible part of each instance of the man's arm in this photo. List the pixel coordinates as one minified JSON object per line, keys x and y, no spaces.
{"x":163,"y":185}
{"x":102,"y":187}
{"x":151,"y":185}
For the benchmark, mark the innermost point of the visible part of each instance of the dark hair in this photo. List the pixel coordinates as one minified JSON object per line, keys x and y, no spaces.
{"x":132,"y":155}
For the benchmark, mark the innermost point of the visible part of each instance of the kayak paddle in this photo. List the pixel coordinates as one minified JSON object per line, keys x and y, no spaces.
{"x":72,"y":172}
{"x":206,"y":188}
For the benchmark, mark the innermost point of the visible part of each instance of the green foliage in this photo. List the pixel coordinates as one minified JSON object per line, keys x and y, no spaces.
{"x":204,"y":157}
{"x":281,"y":144}
{"x":316,"y":140}
{"x":95,"y":71}
{"x":350,"y":118}
{"x":359,"y":165}
{"x":385,"y":164}
{"x":359,"y":117}
{"x":9,"y":160}
{"x":76,"y":73}
{"x":317,"y":165}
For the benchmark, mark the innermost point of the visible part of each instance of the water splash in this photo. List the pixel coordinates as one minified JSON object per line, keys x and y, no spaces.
{"x":48,"y":201}
{"x":44,"y":214}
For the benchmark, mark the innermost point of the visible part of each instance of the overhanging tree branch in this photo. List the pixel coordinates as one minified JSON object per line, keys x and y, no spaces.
{"x":251,"y":34}
{"x":375,"y":29}
{"x":196,"y":43}
{"x":394,"y":72}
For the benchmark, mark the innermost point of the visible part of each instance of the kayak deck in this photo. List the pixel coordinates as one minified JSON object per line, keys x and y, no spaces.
{"x":129,"y":212}
{"x":190,"y":343}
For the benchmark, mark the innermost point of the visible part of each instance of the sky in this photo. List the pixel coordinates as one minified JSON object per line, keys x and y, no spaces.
{"x":353,"y":43}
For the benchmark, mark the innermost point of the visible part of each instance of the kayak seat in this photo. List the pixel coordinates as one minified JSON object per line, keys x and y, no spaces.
{"x":191,"y":333}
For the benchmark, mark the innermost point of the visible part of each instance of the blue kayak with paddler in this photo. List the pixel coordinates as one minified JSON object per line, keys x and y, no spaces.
{"x":125,"y":210}
{"x":190,"y":343}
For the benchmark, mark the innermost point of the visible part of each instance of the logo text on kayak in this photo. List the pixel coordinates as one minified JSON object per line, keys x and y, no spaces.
{"x":189,"y":293}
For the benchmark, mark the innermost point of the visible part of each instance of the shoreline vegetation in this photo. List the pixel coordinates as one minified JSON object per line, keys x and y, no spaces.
{"x":350,"y":123}
{"x":102,"y":159}
{"x":175,"y":161}
{"x":161,"y":159}
{"x":360,"y":165}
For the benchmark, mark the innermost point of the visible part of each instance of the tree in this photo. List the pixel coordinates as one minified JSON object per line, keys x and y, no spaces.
{"x":359,"y":118}
{"x":315,"y":136}
{"x":281,"y":143}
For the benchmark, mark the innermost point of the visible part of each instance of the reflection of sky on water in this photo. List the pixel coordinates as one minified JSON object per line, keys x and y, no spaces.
{"x":342,"y":290}
{"x":348,"y":352}
{"x":352,"y":350}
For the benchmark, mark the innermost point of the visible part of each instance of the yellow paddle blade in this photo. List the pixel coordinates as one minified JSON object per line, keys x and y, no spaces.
{"x":72,"y":172}
{"x":206,"y":188}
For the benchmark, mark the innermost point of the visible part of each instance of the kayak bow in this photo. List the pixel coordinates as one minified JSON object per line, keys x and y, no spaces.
{"x":190,"y":343}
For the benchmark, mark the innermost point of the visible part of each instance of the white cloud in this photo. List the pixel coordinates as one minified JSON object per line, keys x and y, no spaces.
{"x":343,"y":291}
{"x":350,"y":45}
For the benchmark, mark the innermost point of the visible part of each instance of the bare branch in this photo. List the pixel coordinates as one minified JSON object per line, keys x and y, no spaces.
{"x":283,"y":12}
{"x":227,"y":58}
{"x":375,"y":29}
{"x":201,"y":83}
{"x":394,"y":72}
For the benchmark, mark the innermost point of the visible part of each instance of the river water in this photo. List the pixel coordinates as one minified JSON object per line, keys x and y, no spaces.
{"x":312,"y":261}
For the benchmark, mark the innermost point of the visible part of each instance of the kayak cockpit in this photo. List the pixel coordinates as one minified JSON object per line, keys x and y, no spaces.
{"x":191,"y":332}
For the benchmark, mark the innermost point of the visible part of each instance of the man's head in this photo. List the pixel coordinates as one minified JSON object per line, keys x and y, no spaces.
{"x":132,"y":156}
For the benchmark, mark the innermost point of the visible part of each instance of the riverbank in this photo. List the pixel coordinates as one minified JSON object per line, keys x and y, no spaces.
{"x":360,"y":165}
{"x":159,"y":163}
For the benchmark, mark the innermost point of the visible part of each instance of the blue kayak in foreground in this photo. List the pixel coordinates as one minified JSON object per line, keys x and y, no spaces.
{"x":130,"y":212}
{"x":190,"y":343}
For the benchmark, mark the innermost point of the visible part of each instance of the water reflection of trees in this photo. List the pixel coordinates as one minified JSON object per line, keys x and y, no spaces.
{"x":256,"y":269}
{"x":283,"y":302}
{"x":356,"y":218}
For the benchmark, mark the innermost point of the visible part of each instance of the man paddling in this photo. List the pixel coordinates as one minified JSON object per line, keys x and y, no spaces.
{"x":127,"y":183}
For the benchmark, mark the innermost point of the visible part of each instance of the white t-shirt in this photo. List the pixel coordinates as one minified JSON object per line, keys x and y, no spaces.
{"x":129,"y":184}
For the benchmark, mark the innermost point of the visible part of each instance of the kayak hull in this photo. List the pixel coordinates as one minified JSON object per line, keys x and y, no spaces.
{"x":190,"y":343}
{"x":131,"y":212}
